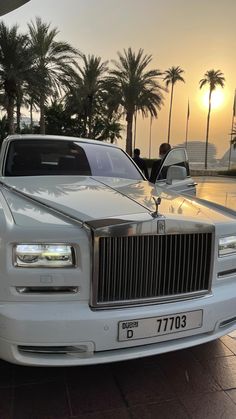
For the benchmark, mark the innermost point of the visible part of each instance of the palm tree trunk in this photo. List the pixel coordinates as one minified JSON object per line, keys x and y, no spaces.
{"x":31,"y":116}
{"x":135,"y":127}
{"x":42,"y":113}
{"x":18,"y":115}
{"x":170,"y":112}
{"x":90,"y":106}
{"x":207,"y":129}
{"x":129,"y":137}
{"x":89,"y":127}
{"x":10,"y":114}
{"x":150,"y":137}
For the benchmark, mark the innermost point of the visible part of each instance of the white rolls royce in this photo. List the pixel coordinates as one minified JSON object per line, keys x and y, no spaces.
{"x":98,"y":264}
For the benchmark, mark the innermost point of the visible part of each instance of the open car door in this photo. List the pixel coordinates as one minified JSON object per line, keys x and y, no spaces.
{"x":174,"y":173}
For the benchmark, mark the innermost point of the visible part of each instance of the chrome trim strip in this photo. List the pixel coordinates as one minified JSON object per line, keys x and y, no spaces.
{"x":227,"y":322}
{"x":152,"y":301}
{"x":229,"y":272}
{"x":40,"y":290}
{"x":53,"y":350}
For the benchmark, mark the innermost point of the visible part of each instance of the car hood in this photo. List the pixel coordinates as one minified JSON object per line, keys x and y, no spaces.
{"x":87,"y":198}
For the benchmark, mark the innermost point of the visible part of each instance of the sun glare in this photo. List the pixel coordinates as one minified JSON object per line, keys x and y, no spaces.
{"x":217,"y":99}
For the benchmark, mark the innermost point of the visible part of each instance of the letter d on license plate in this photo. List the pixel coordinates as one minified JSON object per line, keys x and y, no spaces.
{"x":158,"y":326}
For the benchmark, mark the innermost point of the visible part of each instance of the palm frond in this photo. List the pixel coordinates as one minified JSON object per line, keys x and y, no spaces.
{"x":173,"y":75}
{"x":214,"y":78}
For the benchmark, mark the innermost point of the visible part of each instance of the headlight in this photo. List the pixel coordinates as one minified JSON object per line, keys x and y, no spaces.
{"x":227,"y":246}
{"x":44,"y":255}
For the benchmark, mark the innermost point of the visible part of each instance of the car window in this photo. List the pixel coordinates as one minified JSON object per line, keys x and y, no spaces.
{"x":53,"y":157}
{"x":177,"y":157}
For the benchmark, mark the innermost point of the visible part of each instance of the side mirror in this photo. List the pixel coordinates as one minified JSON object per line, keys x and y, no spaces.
{"x":175,"y":173}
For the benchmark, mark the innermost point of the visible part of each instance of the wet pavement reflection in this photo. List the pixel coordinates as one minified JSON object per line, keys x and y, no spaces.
{"x":221,"y":190}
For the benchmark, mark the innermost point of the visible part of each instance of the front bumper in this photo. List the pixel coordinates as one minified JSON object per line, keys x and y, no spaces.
{"x":94,"y":333}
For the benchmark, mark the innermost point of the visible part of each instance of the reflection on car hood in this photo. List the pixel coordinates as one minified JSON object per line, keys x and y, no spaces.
{"x":87,"y":198}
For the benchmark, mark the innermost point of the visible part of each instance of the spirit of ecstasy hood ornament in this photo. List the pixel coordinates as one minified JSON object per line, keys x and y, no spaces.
{"x":157,"y":203}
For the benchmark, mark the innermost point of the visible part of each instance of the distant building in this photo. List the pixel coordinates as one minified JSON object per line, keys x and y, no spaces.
{"x":196,"y":151}
{"x":225,"y":159}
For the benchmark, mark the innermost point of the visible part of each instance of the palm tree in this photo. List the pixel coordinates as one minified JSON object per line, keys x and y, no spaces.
{"x":172,"y":75}
{"x":86,"y":94}
{"x":112,"y":129}
{"x":15,"y":63}
{"x":134,"y":88}
{"x":214,"y":78}
{"x":54,"y":62}
{"x":107,"y":126}
{"x":31,"y":101}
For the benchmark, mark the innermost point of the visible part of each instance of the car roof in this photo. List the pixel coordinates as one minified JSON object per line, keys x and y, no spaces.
{"x":41,"y":137}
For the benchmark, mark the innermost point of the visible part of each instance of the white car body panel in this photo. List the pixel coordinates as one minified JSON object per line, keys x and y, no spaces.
{"x":73,"y":209}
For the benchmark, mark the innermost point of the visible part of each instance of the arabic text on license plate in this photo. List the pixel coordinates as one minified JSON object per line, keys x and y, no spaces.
{"x":158,"y":326}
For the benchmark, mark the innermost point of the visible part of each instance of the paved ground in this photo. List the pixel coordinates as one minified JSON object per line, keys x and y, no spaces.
{"x":197,"y":383}
{"x":217,"y":189}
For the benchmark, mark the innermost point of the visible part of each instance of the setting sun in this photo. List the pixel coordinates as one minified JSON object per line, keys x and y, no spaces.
{"x":217,"y":98}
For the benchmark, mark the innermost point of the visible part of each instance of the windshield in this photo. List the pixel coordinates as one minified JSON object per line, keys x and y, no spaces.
{"x":57,"y":157}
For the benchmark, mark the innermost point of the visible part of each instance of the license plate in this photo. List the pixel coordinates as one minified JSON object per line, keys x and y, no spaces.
{"x":159,"y":326}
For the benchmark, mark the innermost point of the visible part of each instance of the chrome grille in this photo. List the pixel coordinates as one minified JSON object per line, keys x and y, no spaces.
{"x":137,"y":268}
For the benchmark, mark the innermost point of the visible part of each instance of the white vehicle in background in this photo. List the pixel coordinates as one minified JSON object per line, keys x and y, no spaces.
{"x":98,"y":264}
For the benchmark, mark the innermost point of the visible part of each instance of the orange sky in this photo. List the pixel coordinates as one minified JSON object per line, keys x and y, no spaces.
{"x":196,"y":35}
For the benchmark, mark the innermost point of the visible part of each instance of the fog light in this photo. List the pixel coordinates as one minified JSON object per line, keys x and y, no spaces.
{"x":227,"y":246}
